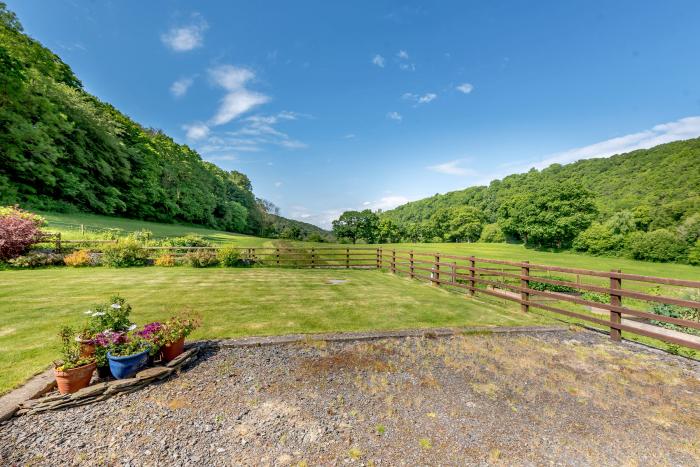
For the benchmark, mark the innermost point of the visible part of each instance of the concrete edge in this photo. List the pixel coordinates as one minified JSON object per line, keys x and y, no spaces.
{"x":36,"y":387}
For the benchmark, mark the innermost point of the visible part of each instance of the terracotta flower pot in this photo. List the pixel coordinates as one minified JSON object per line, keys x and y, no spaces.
{"x":87,"y":348}
{"x":72,"y":380}
{"x":170,"y":351}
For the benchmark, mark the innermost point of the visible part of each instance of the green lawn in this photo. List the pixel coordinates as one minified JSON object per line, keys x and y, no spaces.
{"x":69,"y":226}
{"x":232,"y":302}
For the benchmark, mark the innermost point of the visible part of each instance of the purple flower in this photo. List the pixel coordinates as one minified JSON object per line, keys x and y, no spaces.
{"x":150,"y":330}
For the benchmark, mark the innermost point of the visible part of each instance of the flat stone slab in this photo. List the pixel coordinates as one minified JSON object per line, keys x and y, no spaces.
{"x":35,"y":387}
{"x":154,"y":373}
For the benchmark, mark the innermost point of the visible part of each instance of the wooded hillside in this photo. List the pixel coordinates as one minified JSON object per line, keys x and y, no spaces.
{"x":63,"y":150}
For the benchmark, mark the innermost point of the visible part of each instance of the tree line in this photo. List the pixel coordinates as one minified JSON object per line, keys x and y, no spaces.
{"x":65,"y":150}
{"x":644,"y":204}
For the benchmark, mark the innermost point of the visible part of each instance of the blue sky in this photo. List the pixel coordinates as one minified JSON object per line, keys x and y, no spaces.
{"x":329,"y":106}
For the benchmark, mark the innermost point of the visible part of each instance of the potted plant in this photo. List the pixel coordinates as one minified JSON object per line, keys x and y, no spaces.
{"x":128,"y":357}
{"x":172,"y":335}
{"x":152,"y":333}
{"x":74,"y":371}
{"x":106,"y":325}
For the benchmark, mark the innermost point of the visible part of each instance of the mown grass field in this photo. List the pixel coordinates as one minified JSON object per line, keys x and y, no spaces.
{"x":34,"y":304}
{"x":69,"y":226}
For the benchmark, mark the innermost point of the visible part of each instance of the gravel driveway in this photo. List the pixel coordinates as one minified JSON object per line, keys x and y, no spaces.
{"x":559,"y":397}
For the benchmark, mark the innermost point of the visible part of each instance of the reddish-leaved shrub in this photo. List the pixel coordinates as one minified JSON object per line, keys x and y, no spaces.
{"x":18,"y":231}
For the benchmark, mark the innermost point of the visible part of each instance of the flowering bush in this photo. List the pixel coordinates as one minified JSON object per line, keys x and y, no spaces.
{"x":36,"y":260}
{"x":166,"y":260}
{"x":80,"y":258}
{"x":186,"y":241}
{"x":19,"y":229}
{"x":70,"y":350}
{"x":201,"y":259}
{"x":229,"y":257}
{"x":124,"y":254}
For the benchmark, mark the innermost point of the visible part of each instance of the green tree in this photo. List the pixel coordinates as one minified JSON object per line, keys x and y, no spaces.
{"x":659,"y":245}
{"x":550,"y":215}
{"x":354,"y":225}
{"x":492,"y":233}
{"x":464,"y":224}
{"x":388,"y":231}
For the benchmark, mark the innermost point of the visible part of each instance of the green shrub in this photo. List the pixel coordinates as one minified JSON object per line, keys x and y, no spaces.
{"x":165,"y":260}
{"x":596,"y":297}
{"x":125,"y":253}
{"x":492,"y":233}
{"x":188,"y":240}
{"x":552,"y":287}
{"x":201,"y":258}
{"x":599,"y":239}
{"x":659,"y":245}
{"x":37,"y":260}
{"x":694,"y":254}
{"x":229,"y":257}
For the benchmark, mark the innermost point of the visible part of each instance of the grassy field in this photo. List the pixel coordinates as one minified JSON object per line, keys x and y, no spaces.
{"x":233,"y":302}
{"x":69,"y":226}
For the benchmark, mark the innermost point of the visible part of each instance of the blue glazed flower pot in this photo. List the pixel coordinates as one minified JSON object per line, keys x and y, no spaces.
{"x":125,"y":367}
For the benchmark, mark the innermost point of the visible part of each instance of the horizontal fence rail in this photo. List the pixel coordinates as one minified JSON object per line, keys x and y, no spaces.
{"x":508,"y":280}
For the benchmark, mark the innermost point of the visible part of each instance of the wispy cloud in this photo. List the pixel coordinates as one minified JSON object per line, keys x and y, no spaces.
{"x":238,"y":99}
{"x":402,"y":54}
{"x":385,"y":203}
{"x":179,"y":88}
{"x":453,"y":168}
{"x":378,"y":60}
{"x":394,"y":116}
{"x":196,"y":131}
{"x":418,"y":99}
{"x":684,"y":128}
{"x":278,"y":184}
{"x":186,"y":38}
{"x":349,"y":136}
{"x":465,"y":88}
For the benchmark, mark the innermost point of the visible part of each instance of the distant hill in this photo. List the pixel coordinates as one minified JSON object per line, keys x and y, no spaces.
{"x":661,"y":183}
{"x":64,"y":150}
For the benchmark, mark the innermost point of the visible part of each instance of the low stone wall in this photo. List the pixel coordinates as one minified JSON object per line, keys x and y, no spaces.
{"x":105,"y":390}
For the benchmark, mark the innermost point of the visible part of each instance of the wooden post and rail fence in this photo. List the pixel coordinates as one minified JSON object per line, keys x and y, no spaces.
{"x":508,"y":280}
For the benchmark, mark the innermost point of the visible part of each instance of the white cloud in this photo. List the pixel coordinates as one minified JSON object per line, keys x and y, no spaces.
{"x":453,"y":168}
{"x":349,"y":136}
{"x":186,"y":38}
{"x":196,"y":131}
{"x":238,"y":99}
{"x":179,"y":88}
{"x":424,"y":99}
{"x":278,"y":184}
{"x":394,"y":116}
{"x":402,"y":54}
{"x":378,"y":60}
{"x":385,"y":203}
{"x":466,"y":88}
{"x":407,"y":66}
{"x":684,"y":128}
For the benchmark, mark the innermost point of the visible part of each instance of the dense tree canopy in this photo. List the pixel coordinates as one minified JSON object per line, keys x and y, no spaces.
{"x":63,"y":149}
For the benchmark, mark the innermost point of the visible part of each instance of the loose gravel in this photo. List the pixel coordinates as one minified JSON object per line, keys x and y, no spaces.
{"x":559,"y":397}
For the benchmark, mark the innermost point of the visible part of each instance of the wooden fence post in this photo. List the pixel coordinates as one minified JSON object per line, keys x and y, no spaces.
{"x":347,"y":258}
{"x":472,"y":276}
{"x":58,"y":242}
{"x":393,"y":261}
{"x":277,"y":252}
{"x":313,"y":258}
{"x":252,"y":254}
{"x":454,"y":272}
{"x":379,"y":258}
{"x":615,"y":299}
{"x":436,"y":275}
{"x":525,"y":283}
{"x":410,"y":260}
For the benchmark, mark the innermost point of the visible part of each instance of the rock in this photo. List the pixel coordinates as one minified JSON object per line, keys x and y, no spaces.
{"x":121,"y":385}
{"x":153,"y":373}
{"x":180,"y":359}
{"x":90,"y":391}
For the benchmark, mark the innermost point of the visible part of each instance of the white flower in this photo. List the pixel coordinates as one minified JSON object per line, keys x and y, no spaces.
{"x":132,"y":327}
{"x":88,"y":312}
{"x":98,"y":313}
{"x":116,"y":306}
